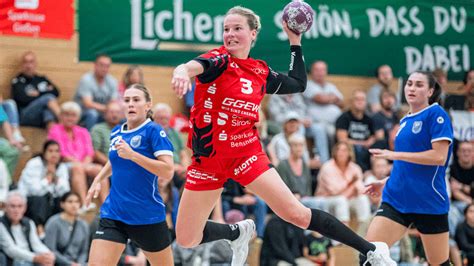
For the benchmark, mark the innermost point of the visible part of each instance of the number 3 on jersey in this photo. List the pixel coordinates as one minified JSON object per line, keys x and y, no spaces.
{"x":246,"y":86}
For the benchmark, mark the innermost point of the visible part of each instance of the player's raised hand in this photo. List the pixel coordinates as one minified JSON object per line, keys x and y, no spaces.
{"x":181,"y":82}
{"x":294,"y":38}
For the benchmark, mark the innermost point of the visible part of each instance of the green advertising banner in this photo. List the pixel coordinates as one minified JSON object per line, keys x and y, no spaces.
{"x":354,"y":37}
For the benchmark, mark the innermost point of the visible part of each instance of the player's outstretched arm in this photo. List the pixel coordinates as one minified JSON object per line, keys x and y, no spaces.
{"x":182,"y":75}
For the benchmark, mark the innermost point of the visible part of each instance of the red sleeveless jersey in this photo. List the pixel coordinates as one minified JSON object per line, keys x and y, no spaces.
{"x":226,"y":109}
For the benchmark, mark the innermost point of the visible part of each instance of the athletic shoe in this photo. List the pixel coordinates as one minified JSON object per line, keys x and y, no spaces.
{"x":380,"y":256}
{"x":240,"y":246}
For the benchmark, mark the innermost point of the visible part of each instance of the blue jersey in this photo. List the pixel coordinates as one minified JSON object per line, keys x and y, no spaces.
{"x":416,"y":188}
{"x":134,"y":198}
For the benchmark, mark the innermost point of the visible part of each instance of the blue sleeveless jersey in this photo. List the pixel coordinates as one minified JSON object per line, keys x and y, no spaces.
{"x":416,"y":188}
{"x":134,"y":197}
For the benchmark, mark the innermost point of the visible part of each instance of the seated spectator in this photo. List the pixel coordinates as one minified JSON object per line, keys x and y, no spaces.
{"x":319,"y":249}
{"x":96,"y":89}
{"x":323,"y":98}
{"x":463,"y":98}
{"x":465,"y":234}
{"x":357,"y":128}
{"x":282,"y":244}
{"x":11,"y":110}
{"x":18,"y":237}
{"x":43,"y":181}
{"x":384,"y":82}
{"x":9,"y":147}
{"x":181,"y":158}
{"x":35,"y":96}
{"x":132,"y":256}
{"x":385,"y":119}
{"x":462,"y":176}
{"x":380,"y":170}
{"x":236,"y":197}
{"x":76,"y":149}
{"x":340,"y":178}
{"x":133,"y":75}
{"x":170,"y":195}
{"x":279,"y":149}
{"x":66,"y":234}
{"x":294,"y":171}
{"x":100,"y":133}
{"x":4,"y":185}
{"x":279,"y":105}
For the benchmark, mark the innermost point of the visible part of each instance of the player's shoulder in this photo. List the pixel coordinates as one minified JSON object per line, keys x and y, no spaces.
{"x":220,"y":51}
{"x":116,"y":130}
{"x":155,"y":128}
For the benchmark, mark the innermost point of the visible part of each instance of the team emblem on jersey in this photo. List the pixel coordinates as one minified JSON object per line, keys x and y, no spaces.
{"x":440,"y":120}
{"x":163,"y":134}
{"x":417,"y":125}
{"x":136,"y":141}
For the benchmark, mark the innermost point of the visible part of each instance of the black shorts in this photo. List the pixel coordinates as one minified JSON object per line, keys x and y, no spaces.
{"x":149,"y":237}
{"x":424,"y":223}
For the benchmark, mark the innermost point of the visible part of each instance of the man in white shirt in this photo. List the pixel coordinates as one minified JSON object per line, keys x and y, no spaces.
{"x":18,"y":237}
{"x":324,"y":99}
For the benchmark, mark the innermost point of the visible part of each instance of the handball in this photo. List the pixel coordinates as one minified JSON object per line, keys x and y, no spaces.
{"x":299,"y":16}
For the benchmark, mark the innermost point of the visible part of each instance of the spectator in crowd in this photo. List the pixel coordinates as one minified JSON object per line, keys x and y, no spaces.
{"x":11,"y":111}
{"x":462,"y":176}
{"x":459,"y":100}
{"x":170,"y":195}
{"x":9,"y":147}
{"x":43,"y":181}
{"x":319,"y":249}
{"x":282,"y":244}
{"x":100,"y":133}
{"x":295,"y":172}
{"x":76,"y":149}
{"x":468,"y":87}
{"x":340,"y":178}
{"x":67,"y":235}
{"x":236,"y":197}
{"x":181,"y":158}
{"x":133,"y":75}
{"x":279,"y":105}
{"x":386,"y":118}
{"x":96,"y":88}
{"x":465,"y":234}
{"x":35,"y":95}
{"x":18,"y":237}
{"x":279,"y":149}
{"x":380,"y":170}
{"x":357,"y":128}
{"x":324,"y":99}
{"x":4,"y":185}
{"x":384,"y":81}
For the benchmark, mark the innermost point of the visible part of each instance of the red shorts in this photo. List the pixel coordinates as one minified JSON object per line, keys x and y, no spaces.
{"x":212,"y":173}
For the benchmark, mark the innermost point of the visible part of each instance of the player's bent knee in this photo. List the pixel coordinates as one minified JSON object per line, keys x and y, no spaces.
{"x":186,"y":241}
{"x":296,"y":216}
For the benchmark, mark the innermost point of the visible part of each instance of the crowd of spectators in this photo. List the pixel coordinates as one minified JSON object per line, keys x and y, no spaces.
{"x":316,"y":141}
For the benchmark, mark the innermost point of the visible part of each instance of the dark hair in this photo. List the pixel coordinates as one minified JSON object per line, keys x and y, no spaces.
{"x":46,"y":146}
{"x":145,"y":91}
{"x":432,"y":84}
{"x":377,"y":70}
{"x":466,"y":75}
{"x":385,"y":92}
{"x":467,"y":208}
{"x":67,"y":195}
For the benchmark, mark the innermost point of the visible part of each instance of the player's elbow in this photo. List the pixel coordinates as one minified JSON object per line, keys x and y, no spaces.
{"x":440,"y":159}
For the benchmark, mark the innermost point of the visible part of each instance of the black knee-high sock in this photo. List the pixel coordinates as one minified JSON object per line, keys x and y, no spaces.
{"x":331,"y":227}
{"x":216,"y":231}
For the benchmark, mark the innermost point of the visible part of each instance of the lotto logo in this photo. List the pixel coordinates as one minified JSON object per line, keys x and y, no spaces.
{"x":193,"y":173}
{"x":245,"y":166}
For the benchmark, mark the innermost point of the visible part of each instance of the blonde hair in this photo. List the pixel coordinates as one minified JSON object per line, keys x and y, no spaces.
{"x":71,"y":107}
{"x":296,"y":138}
{"x":348,"y":146}
{"x":162,"y":107}
{"x":253,"y":20}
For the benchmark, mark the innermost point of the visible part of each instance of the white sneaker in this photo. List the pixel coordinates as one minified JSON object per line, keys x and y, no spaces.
{"x":380,"y":256}
{"x":240,"y":246}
